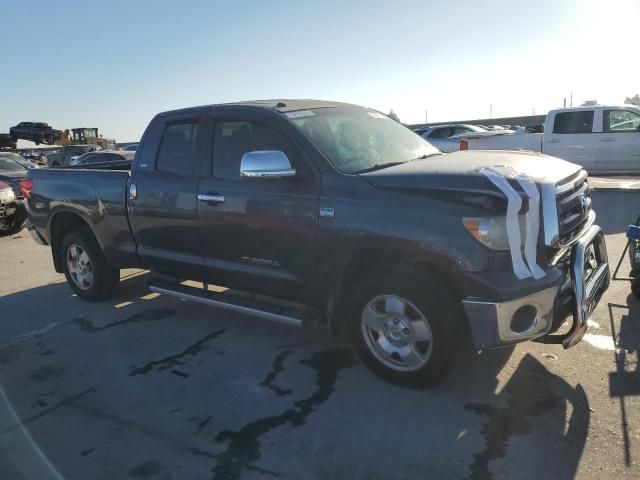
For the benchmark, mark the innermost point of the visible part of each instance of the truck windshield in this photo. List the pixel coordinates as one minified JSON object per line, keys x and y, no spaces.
{"x":357,"y":139}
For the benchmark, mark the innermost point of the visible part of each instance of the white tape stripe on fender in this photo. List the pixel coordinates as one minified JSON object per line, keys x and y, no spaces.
{"x":514,"y":203}
{"x":533,"y":226}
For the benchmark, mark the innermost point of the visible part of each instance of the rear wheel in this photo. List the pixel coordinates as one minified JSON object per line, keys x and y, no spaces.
{"x":402,"y":328}
{"x":86,"y":268}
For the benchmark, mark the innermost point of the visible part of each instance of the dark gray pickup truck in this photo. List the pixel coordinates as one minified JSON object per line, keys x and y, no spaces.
{"x":337,"y":214}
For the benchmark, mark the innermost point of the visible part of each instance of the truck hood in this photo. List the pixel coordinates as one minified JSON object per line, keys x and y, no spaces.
{"x":461,"y":171}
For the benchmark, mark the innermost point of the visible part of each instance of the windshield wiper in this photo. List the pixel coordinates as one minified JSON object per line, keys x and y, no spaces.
{"x":427,"y":155}
{"x":378,"y":166}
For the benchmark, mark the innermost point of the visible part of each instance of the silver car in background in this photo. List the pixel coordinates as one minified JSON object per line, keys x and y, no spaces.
{"x":103,"y":156}
{"x":446,"y":138}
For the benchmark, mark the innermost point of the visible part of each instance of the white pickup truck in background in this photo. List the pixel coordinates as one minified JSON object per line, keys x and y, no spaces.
{"x":602,"y":139}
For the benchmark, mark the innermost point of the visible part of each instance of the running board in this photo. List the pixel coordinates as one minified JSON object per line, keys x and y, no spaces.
{"x":235,"y":303}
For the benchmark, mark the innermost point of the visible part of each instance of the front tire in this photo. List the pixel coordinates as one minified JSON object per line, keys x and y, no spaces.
{"x":86,"y":268}
{"x":403,"y":329}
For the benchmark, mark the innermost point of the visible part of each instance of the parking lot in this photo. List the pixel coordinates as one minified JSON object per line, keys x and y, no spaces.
{"x":145,"y":386}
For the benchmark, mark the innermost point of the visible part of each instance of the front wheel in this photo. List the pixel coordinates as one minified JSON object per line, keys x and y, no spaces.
{"x":86,"y":268}
{"x":402,"y":328}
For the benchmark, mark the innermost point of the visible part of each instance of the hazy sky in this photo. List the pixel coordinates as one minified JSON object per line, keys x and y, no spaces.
{"x":115,"y":64}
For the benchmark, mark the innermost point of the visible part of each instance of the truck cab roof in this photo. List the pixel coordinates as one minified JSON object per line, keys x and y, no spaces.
{"x":281,"y":105}
{"x":595,"y":107}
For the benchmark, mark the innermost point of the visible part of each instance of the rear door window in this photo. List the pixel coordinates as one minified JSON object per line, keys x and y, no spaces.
{"x":178,"y":148}
{"x":574,"y":122}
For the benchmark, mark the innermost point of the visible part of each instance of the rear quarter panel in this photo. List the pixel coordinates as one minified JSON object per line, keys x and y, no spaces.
{"x":98,"y":197}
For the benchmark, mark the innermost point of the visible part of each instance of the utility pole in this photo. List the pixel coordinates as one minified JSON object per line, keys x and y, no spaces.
{"x":571,"y":105}
{"x":533,"y":111}
{"x":426,"y":115}
{"x":490,"y":111}
{"x":564,"y":105}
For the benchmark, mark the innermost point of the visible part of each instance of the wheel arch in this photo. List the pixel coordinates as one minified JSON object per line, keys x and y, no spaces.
{"x":62,"y":223}
{"x":372,"y":261}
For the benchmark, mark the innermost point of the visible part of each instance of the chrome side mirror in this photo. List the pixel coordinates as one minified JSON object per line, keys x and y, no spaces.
{"x":266,"y":163}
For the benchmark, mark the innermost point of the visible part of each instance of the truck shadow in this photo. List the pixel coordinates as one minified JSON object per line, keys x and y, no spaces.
{"x":461,"y":429}
{"x":532,"y":402}
{"x":625,"y":381}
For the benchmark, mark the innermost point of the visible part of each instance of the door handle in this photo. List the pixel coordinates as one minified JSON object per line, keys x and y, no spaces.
{"x":211,"y":198}
{"x":606,"y":139}
{"x":553,"y":140}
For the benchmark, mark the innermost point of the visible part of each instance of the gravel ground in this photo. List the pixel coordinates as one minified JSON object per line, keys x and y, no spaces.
{"x":149,"y":387}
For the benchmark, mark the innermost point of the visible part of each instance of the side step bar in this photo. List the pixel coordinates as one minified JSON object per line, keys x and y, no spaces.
{"x":235,"y":303}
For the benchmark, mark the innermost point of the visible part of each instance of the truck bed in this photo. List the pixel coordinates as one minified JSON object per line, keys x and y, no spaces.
{"x":95,"y":196}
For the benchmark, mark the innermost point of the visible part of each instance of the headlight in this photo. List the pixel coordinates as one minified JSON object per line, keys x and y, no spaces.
{"x":490,"y":231}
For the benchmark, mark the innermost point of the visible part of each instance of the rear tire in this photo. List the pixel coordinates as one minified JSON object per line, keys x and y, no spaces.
{"x":412,"y":339}
{"x":85,"y":266}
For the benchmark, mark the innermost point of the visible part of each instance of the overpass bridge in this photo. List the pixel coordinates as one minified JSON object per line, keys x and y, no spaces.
{"x":525,"y":121}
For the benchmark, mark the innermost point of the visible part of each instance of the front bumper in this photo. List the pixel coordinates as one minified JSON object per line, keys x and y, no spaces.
{"x":534,"y":315}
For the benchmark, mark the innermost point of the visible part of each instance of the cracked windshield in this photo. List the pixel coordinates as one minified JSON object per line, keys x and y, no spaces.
{"x":362,"y":240}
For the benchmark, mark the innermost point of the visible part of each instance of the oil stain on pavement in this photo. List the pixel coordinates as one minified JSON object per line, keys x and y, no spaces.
{"x":146,"y":316}
{"x":174,"y":360}
{"x":276,"y":368}
{"x":243,"y":447}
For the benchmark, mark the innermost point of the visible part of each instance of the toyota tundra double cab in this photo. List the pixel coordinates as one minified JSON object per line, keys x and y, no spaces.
{"x":333,"y":213}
